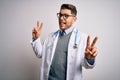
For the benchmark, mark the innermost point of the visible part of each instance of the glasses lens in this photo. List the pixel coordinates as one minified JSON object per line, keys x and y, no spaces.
{"x":64,"y":15}
{"x":58,"y":14}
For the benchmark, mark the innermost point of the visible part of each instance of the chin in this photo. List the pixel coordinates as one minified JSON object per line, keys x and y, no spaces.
{"x":62,"y":27}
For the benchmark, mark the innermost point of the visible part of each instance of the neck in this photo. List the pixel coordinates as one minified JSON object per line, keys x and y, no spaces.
{"x":68,"y":30}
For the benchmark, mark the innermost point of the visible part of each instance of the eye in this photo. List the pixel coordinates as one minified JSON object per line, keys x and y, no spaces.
{"x":66,"y":15}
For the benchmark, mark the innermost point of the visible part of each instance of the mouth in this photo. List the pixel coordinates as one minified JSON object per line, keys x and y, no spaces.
{"x":62,"y":23}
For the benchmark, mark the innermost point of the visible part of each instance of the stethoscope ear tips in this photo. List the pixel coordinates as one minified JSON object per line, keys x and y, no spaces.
{"x":75,"y":46}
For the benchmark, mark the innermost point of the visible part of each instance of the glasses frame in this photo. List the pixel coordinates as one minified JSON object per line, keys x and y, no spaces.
{"x":65,"y":16}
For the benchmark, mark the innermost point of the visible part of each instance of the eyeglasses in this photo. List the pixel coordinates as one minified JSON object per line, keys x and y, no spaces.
{"x":65,"y":16}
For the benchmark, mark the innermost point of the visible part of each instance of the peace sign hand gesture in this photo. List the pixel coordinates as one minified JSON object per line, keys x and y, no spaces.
{"x":36,"y":32}
{"x":91,"y":51}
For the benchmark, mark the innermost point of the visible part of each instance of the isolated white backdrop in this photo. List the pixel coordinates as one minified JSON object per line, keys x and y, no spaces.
{"x":95,"y":17}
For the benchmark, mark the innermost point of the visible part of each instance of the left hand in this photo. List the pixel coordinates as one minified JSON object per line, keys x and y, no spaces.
{"x":36,"y":32}
{"x":91,"y":51}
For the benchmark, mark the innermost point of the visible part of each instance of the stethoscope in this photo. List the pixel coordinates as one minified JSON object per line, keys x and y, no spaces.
{"x":75,"y":39}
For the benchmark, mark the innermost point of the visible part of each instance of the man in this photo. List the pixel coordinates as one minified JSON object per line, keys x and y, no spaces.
{"x":65,"y":51}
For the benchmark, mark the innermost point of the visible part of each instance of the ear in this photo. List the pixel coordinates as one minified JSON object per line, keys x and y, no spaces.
{"x":75,"y":18}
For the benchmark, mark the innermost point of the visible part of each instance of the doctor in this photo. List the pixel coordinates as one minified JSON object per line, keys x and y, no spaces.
{"x":65,"y":51}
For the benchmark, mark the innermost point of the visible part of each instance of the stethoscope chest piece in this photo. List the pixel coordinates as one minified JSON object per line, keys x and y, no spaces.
{"x":75,"y":46}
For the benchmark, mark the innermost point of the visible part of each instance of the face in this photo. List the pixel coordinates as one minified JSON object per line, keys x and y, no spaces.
{"x":66,"y":19}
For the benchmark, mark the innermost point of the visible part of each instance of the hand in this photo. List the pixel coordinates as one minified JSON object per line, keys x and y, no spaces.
{"x":36,"y":32}
{"x":91,"y":51}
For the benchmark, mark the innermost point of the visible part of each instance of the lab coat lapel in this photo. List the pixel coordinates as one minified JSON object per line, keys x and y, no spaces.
{"x":71,"y":57}
{"x":55,"y":39}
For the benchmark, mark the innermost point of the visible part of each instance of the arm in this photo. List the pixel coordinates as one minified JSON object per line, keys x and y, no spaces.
{"x":37,"y":47}
{"x":90,"y":53}
{"x":36,"y":42}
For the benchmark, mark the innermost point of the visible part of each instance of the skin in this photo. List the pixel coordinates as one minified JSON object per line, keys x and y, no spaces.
{"x":90,"y":51}
{"x":66,"y":23}
{"x":36,"y":32}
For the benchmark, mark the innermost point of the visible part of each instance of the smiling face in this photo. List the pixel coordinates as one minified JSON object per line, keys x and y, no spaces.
{"x":66,"y":19}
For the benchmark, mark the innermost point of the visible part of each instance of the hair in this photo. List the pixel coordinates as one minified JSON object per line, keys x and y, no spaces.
{"x":70,"y":7}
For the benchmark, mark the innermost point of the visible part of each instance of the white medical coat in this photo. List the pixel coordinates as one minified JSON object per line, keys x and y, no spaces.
{"x":75,"y":56}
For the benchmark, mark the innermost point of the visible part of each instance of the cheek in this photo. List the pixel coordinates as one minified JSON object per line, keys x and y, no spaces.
{"x":70,"y":23}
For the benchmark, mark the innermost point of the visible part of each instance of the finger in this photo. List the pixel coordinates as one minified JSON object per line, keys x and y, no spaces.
{"x":33,"y":33}
{"x":41,"y":25}
{"x":37,"y":23}
{"x":94,"y":41}
{"x":88,"y":52}
{"x":95,"y":54}
{"x":35,"y":29}
{"x":88,"y":41}
{"x":94,"y":50}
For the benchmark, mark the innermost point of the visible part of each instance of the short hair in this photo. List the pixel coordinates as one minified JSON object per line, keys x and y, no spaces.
{"x":70,"y":7}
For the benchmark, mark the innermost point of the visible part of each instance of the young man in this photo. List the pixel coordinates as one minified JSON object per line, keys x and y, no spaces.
{"x":65,"y":51}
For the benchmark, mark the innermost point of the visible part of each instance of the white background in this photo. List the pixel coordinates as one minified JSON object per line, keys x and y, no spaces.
{"x":95,"y":17}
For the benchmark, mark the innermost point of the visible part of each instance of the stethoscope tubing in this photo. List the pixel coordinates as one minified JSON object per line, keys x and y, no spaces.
{"x":75,"y":39}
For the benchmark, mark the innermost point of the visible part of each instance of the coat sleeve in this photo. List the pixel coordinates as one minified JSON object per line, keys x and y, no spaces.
{"x":87,"y":65}
{"x":40,"y":48}
{"x":37,"y":47}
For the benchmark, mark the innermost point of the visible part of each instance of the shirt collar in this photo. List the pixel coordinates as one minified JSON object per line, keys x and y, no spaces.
{"x":67,"y":31}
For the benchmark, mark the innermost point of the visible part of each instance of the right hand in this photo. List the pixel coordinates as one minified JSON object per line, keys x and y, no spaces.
{"x":36,"y":32}
{"x":91,"y":51}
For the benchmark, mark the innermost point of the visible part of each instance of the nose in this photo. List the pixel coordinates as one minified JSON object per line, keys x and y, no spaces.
{"x":61,"y":17}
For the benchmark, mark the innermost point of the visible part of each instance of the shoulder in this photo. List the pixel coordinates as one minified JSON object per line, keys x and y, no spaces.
{"x":52,"y":35}
{"x":82,"y":38}
{"x":82,"y":35}
{"x":79,"y":33}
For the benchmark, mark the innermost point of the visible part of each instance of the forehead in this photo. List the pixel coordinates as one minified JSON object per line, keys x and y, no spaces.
{"x":65,"y":11}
